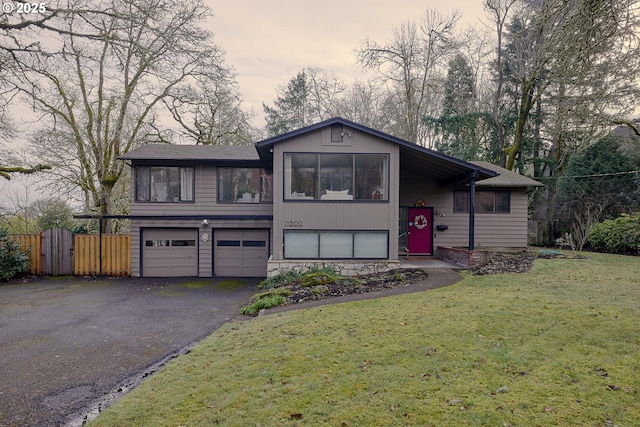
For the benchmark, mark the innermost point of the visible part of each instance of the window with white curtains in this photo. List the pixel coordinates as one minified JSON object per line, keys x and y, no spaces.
{"x":186,"y":184}
{"x":336,"y":176}
{"x":169,"y":184}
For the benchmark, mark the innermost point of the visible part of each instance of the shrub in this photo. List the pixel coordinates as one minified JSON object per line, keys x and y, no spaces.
{"x":319,"y":278}
{"x":291,"y":276}
{"x":13,"y":260}
{"x":620,"y":235}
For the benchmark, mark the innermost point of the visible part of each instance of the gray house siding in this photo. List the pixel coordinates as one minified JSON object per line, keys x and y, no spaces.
{"x":493,"y":230}
{"x":416,"y":176}
{"x":205,"y":205}
{"x":323,"y":215}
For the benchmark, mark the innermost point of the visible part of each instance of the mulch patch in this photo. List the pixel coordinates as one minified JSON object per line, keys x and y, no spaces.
{"x":499,"y":262}
{"x":360,"y":285}
{"x":506,"y":262}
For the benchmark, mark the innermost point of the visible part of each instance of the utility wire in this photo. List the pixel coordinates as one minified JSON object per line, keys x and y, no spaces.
{"x":596,"y":175}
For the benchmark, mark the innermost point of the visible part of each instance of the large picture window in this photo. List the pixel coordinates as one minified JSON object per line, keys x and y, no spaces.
{"x":332,"y":177}
{"x":244,"y":185}
{"x":164,"y":184}
{"x":310,"y":244}
{"x":486,"y":201}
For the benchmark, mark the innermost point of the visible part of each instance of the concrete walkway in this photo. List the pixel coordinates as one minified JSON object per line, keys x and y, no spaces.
{"x":430,"y":263}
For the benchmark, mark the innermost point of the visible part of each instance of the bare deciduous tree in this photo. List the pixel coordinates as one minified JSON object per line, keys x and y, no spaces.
{"x":101,"y":96}
{"x":363,"y":102}
{"x":409,"y":65}
{"x":498,"y":11}
{"x":209,"y":110}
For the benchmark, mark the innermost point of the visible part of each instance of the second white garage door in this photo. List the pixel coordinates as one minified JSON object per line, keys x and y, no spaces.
{"x":241,"y":253}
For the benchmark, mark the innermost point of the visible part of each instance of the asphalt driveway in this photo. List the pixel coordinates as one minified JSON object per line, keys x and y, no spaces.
{"x":65,"y":344}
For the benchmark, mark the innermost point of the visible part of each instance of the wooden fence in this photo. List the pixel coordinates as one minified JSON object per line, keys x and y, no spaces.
{"x":57,"y":252}
{"x":89,"y":256}
{"x":32,"y":243}
{"x":113,"y":258}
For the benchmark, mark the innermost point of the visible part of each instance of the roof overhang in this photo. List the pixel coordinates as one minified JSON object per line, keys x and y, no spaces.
{"x":414,"y":159}
{"x":170,"y":154}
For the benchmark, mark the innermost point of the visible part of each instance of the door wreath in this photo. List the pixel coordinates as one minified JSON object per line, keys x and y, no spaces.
{"x":420,"y":222}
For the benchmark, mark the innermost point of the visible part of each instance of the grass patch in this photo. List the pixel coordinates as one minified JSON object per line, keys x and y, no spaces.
{"x":555,"y":346}
{"x":264,"y":300}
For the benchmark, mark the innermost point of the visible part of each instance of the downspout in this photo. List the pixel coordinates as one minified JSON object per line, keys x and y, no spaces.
{"x":472,"y":211}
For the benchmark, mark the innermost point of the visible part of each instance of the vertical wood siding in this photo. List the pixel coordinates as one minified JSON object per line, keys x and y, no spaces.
{"x":57,"y":252}
{"x":32,"y":244}
{"x":491,"y":229}
{"x":317,"y":215}
{"x":116,"y":255}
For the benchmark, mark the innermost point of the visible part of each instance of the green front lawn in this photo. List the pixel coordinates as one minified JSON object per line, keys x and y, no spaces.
{"x":556,"y":346}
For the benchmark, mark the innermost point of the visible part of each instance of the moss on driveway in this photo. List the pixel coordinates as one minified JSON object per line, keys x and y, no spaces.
{"x":67,"y":342}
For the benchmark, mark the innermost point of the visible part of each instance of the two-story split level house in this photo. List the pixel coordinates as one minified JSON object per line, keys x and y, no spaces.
{"x":332,"y":193}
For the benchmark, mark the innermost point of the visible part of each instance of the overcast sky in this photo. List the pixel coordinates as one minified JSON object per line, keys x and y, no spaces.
{"x":268,"y":42}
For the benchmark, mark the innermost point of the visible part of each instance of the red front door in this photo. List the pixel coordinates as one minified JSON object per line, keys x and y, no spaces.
{"x":420,"y":231}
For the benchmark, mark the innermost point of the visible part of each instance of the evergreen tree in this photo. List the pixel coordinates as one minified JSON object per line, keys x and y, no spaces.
{"x":599,"y":184}
{"x":460,"y":126}
{"x":292,"y":107}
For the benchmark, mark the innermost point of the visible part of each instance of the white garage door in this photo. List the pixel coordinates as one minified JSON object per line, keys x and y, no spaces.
{"x":169,"y":252}
{"x":241,"y":253}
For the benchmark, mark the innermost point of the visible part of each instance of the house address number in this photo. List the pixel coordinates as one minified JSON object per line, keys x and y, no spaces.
{"x":293,"y":223}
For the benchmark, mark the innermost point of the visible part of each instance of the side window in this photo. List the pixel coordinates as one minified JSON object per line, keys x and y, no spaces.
{"x":244,"y":185}
{"x":486,"y":201}
{"x":461,"y":201}
{"x":164,"y":184}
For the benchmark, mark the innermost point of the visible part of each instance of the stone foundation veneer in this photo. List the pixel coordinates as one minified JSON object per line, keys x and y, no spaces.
{"x":343,"y":267}
{"x":463,"y":257}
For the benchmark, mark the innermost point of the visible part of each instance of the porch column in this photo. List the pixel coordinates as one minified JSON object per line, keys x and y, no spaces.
{"x":472,"y":212}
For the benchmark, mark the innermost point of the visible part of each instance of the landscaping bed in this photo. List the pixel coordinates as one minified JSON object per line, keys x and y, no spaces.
{"x":295,"y":288}
{"x":506,"y":262}
{"x":326,"y":287}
